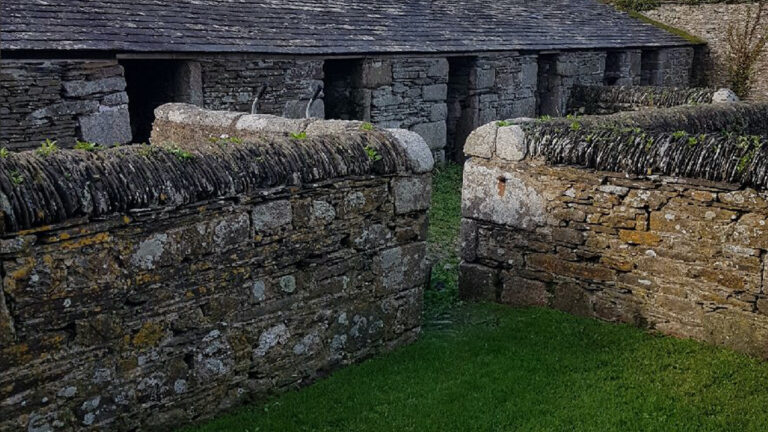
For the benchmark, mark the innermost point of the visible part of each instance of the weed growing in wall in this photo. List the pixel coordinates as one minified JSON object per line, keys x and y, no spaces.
{"x":299,"y":135}
{"x":16,"y":177}
{"x":366,"y":126}
{"x":87,"y":146}
{"x":180,"y":153}
{"x":4,"y":153}
{"x":373,"y":155}
{"x":225,"y":139}
{"x":47,"y":148}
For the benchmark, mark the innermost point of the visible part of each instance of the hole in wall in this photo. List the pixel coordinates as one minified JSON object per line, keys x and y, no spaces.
{"x":344,"y":97}
{"x":649,"y":67}
{"x":612,"y":68}
{"x":151,"y":83}
{"x":462,"y":117}
{"x":548,"y":98}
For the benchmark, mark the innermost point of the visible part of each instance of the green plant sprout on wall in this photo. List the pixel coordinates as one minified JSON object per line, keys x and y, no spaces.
{"x":366,"y":126}
{"x":4,"y":153}
{"x":373,"y":155}
{"x":87,"y":146}
{"x":16,"y":177}
{"x":47,"y":148}
{"x":299,"y":135}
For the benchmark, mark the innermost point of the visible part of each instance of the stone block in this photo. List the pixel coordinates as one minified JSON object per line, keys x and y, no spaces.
{"x":183,"y":113}
{"x":477,"y":282}
{"x":438,"y":69}
{"x":107,"y":127}
{"x":517,"y":291}
{"x":438,"y":112}
{"x":412,"y":193}
{"x":272,"y":215}
{"x":468,"y":240}
{"x":482,"y":141}
{"x":435,"y":92}
{"x":491,"y":193}
{"x":376,"y":73}
{"x":435,"y":134}
{"x":297,"y":109}
{"x":419,"y":154}
{"x":82,"y":88}
{"x":483,"y":79}
{"x":725,"y":95}
{"x":510,"y":143}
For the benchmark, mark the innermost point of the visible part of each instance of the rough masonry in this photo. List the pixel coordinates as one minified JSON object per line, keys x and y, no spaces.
{"x":184,"y":279}
{"x":617,"y":235}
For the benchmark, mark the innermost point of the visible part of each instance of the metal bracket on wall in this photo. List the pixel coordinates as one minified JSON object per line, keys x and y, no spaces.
{"x":312,"y":100}
{"x":255,"y":104}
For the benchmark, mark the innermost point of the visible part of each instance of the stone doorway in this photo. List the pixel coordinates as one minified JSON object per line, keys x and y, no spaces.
{"x":151,"y":83}
{"x":462,"y":108}
{"x":344,"y":96}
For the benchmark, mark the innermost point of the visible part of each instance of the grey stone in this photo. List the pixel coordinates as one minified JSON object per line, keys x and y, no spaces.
{"x":435,"y":92}
{"x":85,"y":88}
{"x":477,"y":282}
{"x":115,"y":99}
{"x":189,"y":83}
{"x":192,"y":115}
{"x":272,"y":215}
{"x":418,"y":151}
{"x":435,"y":134}
{"x":725,"y":95}
{"x":323,"y":211}
{"x":297,"y":109}
{"x":494,"y":194}
{"x":270,"y":123}
{"x":482,"y":141}
{"x":107,"y":127}
{"x":468,"y":240}
{"x":486,"y":78}
{"x":412,"y":193}
{"x":377,"y":73}
{"x":288,"y":284}
{"x":258,"y":289}
{"x":510,"y":143}
{"x":439,"y":69}
{"x":438,"y":112}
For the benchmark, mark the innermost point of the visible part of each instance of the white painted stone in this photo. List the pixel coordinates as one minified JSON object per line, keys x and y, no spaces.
{"x":510,"y":143}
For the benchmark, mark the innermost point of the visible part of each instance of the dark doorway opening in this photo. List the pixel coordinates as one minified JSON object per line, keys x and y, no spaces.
{"x":151,"y":83}
{"x":462,"y":108}
{"x":613,"y":63}
{"x":649,"y":68}
{"x":549,"y":95}
{"x":344,"y":97}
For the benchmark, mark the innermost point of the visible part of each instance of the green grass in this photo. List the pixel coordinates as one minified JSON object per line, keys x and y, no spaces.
{"x":494,"y":368}
{"x":444,"y":220}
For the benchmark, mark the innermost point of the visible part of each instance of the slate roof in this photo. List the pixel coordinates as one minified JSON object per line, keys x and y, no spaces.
{"x":320,"y":26}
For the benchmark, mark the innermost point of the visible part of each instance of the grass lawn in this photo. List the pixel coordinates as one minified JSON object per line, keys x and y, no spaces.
{"x":493,"y":368}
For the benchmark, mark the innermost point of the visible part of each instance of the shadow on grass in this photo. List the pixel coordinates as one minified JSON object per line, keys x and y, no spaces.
{"x":494,"y":368}
{"x":503,"y":369}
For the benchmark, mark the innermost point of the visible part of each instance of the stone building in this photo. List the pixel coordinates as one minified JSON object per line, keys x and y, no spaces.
{"x":94,"y":70}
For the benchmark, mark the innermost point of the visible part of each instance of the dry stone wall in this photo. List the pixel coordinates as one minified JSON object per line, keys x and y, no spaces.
{"x":710,"y":22}
{"x":186,"y":279}
{"x":232,"y":83}
{"x":680,"y":255}
{"x":62,"y":101}
{"x":558,"y":74}
{"x":600,"y":100}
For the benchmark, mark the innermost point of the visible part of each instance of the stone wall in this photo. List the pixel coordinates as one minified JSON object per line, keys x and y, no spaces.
{"x":183,"y":282}
{"x":680,"y":255}
{"x":668,"y":67}
{"x":232,"y":82}
{"x":710,"y":22}
{"x":410,"y":93}
{"x":559,"y":73}
{"x":62,"y":101}
{"x":612,"y":99}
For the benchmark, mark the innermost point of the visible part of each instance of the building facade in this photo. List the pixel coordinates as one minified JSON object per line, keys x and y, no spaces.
{"x":439,"y":79}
